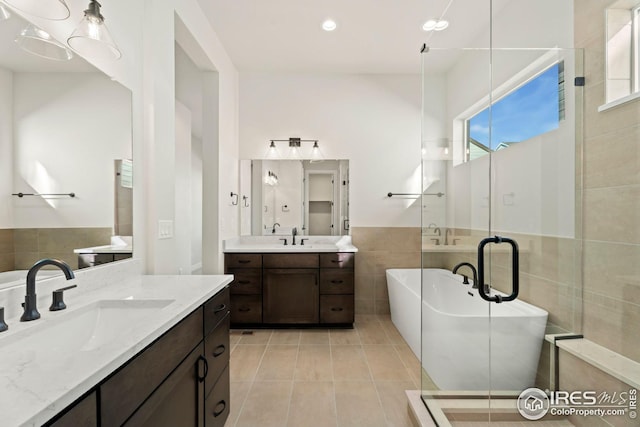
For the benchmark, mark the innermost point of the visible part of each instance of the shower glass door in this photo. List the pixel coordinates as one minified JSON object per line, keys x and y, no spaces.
{"x":501,"y":167}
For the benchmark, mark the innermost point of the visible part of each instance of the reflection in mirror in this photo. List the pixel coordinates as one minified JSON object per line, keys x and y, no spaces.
{"x":65,"y":129}
{"x":309,"y":195}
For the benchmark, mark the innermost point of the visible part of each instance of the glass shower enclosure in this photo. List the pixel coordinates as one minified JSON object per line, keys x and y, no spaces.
{"x":501,"y":225}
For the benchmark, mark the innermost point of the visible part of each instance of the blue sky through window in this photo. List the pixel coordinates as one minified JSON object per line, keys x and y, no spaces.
{"x":530,"y":110}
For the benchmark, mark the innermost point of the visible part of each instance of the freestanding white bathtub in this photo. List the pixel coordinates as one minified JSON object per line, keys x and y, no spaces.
{"x":467,"y":343}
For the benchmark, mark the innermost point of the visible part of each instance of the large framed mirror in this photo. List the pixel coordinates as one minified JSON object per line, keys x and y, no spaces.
{"x":65,"y":161}
{"x":311,"y":196}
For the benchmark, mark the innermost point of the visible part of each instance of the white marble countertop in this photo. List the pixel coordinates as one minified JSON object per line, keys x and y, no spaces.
{"x":105,"y":249}
{"x":273,"y":244}
{"x":36,"y":383}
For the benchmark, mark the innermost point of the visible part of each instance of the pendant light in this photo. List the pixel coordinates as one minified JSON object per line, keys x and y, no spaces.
{"x":92,"y":38}
{"x":38,"y":42}
{"x":4,"y":13}
{"x":55,"y":10}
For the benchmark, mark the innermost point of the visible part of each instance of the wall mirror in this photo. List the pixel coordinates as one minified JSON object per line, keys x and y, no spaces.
{"x":65,"y":143}
{"x":310,"y":195}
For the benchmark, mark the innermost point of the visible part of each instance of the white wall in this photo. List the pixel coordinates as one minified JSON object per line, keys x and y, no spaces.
{"x":371,"y":120}
{"x":68,"y":128}
{"x":6,"y":148}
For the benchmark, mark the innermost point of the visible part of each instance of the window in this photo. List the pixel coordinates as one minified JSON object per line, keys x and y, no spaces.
{"x":534,"y":108}
{"x":622,"y":52}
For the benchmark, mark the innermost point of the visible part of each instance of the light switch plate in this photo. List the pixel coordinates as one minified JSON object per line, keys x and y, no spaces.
{"x":165,"y":229}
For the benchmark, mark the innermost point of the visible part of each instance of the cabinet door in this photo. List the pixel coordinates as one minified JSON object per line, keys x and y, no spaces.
{"x":179,"y":401}
{"x":82,"y":413}
{"x":290,"y":295}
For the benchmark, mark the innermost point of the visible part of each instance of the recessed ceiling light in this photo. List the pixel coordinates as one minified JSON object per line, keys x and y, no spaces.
{"x":435,"y":25}
{"x":329,"y":25}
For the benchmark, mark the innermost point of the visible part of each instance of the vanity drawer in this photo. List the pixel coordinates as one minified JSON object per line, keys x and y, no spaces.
{"x":242,"y":261}
{"x":216,"y":405}
{"x":121,"y":394}
{"x":215,"y":309}
{"x":246,"y":281}
{"x":336,"y":309}
{"x":336,"y":281}
{"x":246,"y":309}
{"x":290,"y":260}
{"x":217,"y":348}
{"x":337,"y":260}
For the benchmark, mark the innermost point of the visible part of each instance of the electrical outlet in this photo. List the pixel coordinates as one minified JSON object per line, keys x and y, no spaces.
{"x":165,"y":229}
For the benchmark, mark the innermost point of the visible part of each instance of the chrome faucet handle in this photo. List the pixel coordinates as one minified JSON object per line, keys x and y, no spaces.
{"x":57,"y":303}
{"x":3,"y":324}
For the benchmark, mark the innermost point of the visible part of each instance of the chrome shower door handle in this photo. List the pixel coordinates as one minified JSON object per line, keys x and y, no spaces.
{"x":515,"y":270}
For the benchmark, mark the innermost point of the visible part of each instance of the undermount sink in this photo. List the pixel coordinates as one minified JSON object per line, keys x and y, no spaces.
{"x":85,"y":329}
{"x":266,"y":244}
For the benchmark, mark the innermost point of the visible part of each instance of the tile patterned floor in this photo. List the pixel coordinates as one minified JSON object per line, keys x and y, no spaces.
{"x":317,"y":378}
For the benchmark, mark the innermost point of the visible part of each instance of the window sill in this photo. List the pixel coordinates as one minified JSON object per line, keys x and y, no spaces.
{"x":618,"y":102}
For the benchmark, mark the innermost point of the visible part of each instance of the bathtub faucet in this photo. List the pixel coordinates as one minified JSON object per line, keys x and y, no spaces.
{"x":466,"y":279}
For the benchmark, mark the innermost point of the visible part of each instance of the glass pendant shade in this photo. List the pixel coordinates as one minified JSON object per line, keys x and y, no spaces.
{"x":4,"y":13}
{"x":55,"y":10}
{"x":38,"y":42}
{"x":91,"y":38}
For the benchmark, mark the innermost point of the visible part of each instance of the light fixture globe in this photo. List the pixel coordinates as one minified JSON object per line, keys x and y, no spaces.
{"x":430,"y":25}
{"x":441,"y":25}
{"x":55,"y":10}
{"x":38,"y":42}
{"x":329,"y":25}
{"x":4,"y":13}
{"x":92,"y":38}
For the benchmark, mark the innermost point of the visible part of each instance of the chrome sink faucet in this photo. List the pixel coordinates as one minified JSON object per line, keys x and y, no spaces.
{"x":294,"y":232}
{"x":30,"y":305}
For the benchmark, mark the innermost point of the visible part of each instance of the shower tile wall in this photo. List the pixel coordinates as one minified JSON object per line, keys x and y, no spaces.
{"x":381,"y":248}
{"x":31,"y":244}
{"x":6,"y":250}
{"x":611,"y":226}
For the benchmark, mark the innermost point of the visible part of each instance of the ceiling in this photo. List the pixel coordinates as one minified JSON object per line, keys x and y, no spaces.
{"x":373,"y":36}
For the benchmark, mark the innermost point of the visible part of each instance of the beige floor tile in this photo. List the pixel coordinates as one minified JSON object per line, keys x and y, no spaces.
{"x":344,"y":337}
{"x":245,"y":361}
{"x":239,"y":392}
{"x":358,"y":405}
{"x":391,"y":331}
{"x":410,"y":361}
{"x":314,"y":337}
{"x":285,"y":336}
{"x":312,"y":405}
{"x":266,"y":405}
{"x":256,"y":337}
{"x":394,"y":402}
{"x":278,"y":363}
{"x":371,"y":332}
{"x":385,"y":364}
{"x":349,"y":363}
{"x":314,"y":363}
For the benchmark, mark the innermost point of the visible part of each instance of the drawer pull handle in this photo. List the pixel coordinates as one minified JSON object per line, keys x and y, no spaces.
{"x":244,"y":282}
{"x":244,"y":261}
{"x":336,"y":309}
{"x":244,"y":309}
{"x":217,"y":412}
{"x":219,"y":350}
{"x":336,"y":281}
{"x":219,"y":308}
{"x":206,"y":368}
{"x":335,"y":261}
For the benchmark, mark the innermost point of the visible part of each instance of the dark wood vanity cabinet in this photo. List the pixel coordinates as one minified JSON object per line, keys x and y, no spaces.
{"x":291,"y":289}
{"x":179,"y":380}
